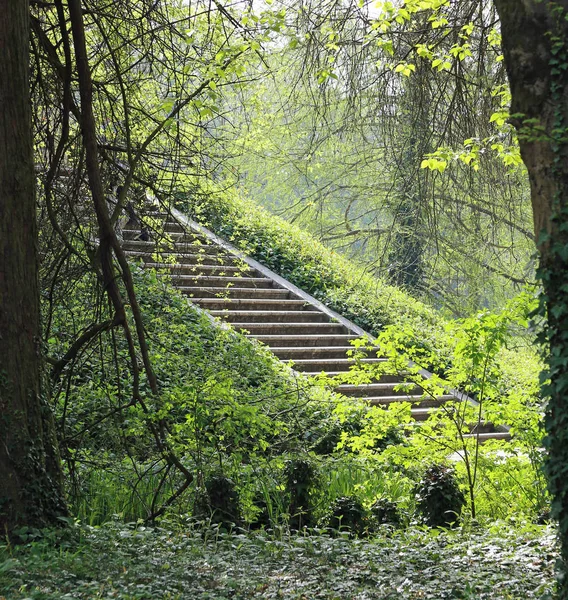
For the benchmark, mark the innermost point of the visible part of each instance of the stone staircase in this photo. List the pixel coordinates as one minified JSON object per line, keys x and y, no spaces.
{"x":237,"y":289}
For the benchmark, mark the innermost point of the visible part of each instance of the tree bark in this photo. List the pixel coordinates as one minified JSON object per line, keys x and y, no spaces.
{"x":30,"y":474}
{"x":535,"y":48}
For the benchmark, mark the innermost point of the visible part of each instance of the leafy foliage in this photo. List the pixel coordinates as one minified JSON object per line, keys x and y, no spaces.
{"x":348,"y":514}
{"x":134,"y":561}
{"x":227,"y":400}
{"x":218,"y":503}
{"x":438,"y":496}
{"x":386,"y":512}
{"x":301,"y":479}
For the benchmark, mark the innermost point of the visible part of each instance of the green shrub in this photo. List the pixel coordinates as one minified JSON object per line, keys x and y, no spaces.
{"x":218,"y":503}
{"x":438,"y":497}
{"x":386,"y":512}
{"x":301,"y":478}
{"x":348,"y":514}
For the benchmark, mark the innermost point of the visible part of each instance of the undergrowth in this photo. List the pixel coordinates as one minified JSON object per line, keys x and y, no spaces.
{"x":132,"y":561}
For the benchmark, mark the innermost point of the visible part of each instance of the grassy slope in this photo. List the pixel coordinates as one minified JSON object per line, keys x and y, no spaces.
{"x":294,"y":254}
{"x":341,"y":284}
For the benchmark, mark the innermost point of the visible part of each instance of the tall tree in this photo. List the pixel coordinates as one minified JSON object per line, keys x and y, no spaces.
{"x":535,"y":47}
{"x":29,"y":465}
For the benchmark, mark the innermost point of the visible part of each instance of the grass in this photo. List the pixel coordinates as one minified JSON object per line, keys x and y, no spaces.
{"x":342,"y":284}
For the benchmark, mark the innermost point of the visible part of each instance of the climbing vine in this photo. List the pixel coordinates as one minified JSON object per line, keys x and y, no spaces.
{"x":553,"y":305}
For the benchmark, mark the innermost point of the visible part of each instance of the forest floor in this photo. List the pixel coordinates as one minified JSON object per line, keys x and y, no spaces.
{"x":137,"y":562}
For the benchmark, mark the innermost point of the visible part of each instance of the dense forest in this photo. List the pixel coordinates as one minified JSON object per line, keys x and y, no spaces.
{"x":282,"y":299}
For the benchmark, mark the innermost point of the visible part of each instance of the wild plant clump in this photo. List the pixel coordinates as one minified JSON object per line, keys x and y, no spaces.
{"x":348,"y":514}
{"x":438,"y":497}
{"x":301,"y":477}
{"x":219,"y":503}
{"x":386,"y":512}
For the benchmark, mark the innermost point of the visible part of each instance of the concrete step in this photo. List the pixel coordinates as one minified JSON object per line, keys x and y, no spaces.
{"x":385,"y":378}
{"x":270,"y":316}
{"x":304,"y":340}
{"x":196,"y":259}
{"x":246,"y":306}
{"x":210,"y":266}
{"x":166,"y":237}
{"x":217,"y":297}
{"x":485,"y":437}
{"x":257,"y":329}
{"x":161,"y":214}
{"x":230,"y":270}
{"x":191,"y":246}
{"x":174,"y":227}
{"x":483,"y":427}
{"x":317,"y":365}
{"x":221,"y":281}
{"x":188,"y":257}
{"x":416,"y":400}
{"x":420,"y":414}
{"x":378,"y":389}
{"x":311,"y":352}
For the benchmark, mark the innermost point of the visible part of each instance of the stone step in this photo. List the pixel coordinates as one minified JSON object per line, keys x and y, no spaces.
{"x":483,"y":427}
{"x":257,"y":329}
{"x":417,"y":400}
{"x":229,"y":270}
{"x":291,"y":353}
{"x":384,"y":378}
{"x":166,"y":237}
{"x":303,"y":340}
{"x":420,"y":414}
{"x":219,"y":281}
{"x":188,"y":257}
{"x":317,"y":365}
{"x":174,"y":227}
{"x":211,"y":266}
{"x":191,"y":246}
{"x":485,"y":437}
{"x":272,"y":306}
{"x":219,"y":296}
{"x":270,"y":316}
{"x":148,"y":247}
{"x":160,"y":214}
{"x":192,"y":260}
{"x":377,"y":389}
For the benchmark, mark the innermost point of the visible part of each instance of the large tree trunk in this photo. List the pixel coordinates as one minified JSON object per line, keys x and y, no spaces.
{"x":30,"y":476}
{"x":535,"y":47}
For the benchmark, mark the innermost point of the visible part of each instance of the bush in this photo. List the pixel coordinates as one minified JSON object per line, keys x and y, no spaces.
{"x":301,"y":478}
{"x":218,"y":503}
{"x":348,"y":514}
{"x":438,"y":497}
{"x":386,"y":512}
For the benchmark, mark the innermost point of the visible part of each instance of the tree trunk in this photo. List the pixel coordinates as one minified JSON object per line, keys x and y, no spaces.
{"x":535,"y":47}
{"x":30,"y":475}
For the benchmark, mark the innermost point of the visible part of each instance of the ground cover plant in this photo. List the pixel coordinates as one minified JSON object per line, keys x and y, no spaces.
{"x":132,"y":561}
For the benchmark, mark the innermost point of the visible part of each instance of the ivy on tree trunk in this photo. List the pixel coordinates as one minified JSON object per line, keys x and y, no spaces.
{"x":30,"y":474}
{"x":535,"y":47}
